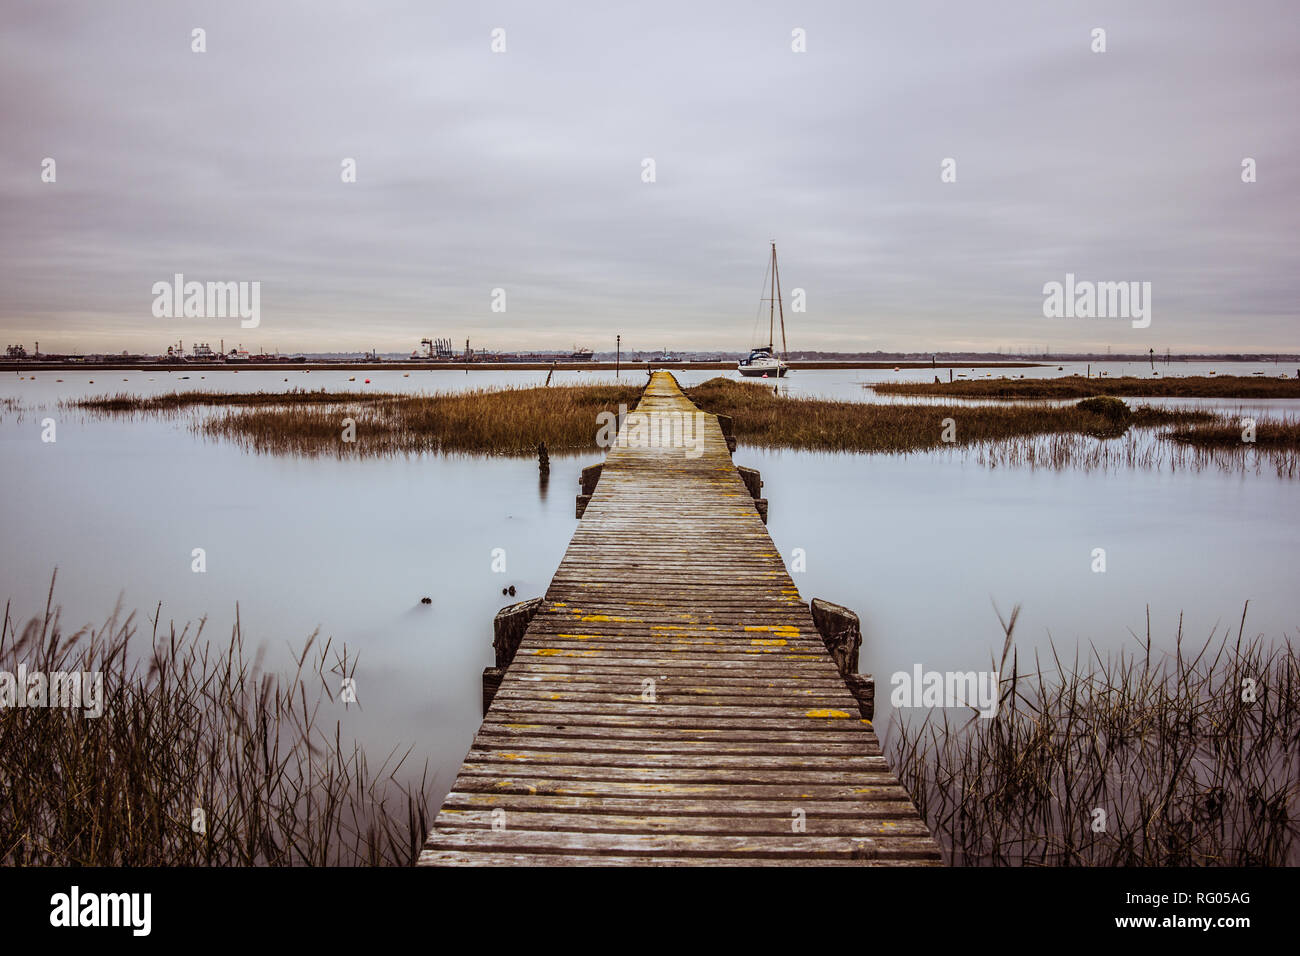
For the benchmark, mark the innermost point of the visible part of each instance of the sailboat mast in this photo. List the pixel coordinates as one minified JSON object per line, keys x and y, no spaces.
{"x":776,"y":278}
{"x":771,"y":302}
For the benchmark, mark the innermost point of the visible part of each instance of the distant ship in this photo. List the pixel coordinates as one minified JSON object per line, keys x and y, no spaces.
{"x":763,"y":361}
{"x":581,"y":355}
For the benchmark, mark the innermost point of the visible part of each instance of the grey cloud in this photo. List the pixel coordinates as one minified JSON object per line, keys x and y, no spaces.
{"x":522,"y":171}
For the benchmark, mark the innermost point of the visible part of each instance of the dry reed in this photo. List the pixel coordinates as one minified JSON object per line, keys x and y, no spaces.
{"x":191,"y":725}
{"x":1146,"y":759}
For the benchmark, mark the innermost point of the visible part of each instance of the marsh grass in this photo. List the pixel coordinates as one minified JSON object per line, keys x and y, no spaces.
{"x":1077,"y":386}
{"x":514,"y":421}
{"x":127,"y":403}
{"x":771,"y":421}
{"x":507,"y":421}
{"x":1188,"y":770}
{"x":187,"y":724}
{"x":1229,"y":433}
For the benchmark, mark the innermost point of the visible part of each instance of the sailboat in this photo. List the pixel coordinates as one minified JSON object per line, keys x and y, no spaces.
{"x":763,"y":360}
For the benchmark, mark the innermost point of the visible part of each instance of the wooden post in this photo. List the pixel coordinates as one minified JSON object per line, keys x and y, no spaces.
{"x":507,"y":631}
{"x":754,"y":485}
{"x":491,"y":682}
{"x":841,"y":632}
{"x":752,"y":479}
{"x":727,"y":426}
{"x":590,"y":475}
{"x":863,"y":689}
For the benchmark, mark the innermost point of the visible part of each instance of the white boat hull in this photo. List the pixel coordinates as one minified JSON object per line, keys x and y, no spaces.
{"x":760,"y":369}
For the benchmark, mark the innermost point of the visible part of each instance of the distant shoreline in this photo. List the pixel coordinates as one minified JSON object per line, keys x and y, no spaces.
{"x":406,"y":366}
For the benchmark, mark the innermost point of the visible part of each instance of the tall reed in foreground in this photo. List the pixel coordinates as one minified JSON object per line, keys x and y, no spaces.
{"x":1143,"y":759}
{"x":200,"y":757}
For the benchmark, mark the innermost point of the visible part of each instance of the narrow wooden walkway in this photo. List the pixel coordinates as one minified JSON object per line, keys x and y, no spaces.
{"x":672,"y":701}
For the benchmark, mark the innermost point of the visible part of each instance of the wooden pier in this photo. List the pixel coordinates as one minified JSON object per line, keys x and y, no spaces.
{"x":671,"y":699}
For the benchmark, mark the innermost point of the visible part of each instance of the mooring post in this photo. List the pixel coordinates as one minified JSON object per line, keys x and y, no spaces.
{"x":754,"y":485}
{"x":587,"y":480}
{"x":507,"y":631}
{"x":841,"y":632}
{"x":727,"y":425}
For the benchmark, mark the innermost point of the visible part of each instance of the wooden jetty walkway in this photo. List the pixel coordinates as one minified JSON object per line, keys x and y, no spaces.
{"x":671,"y":699}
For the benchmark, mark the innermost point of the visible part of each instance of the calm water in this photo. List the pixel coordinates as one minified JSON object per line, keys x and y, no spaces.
{"x":922,"y":546}
{"x":825,"y":383}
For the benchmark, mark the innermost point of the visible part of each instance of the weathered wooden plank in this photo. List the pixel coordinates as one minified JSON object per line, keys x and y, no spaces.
{"x":886,"y":803}
{"x":776,"y":848}
{"x":837,"y":765}
{"x":480,"y":858}
{"x":697,"y":738}
{"x":684,"y":745}
{"x":776,"y":824}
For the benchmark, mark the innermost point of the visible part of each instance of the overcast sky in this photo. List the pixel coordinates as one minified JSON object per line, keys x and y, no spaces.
{"x":522,"y":170}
